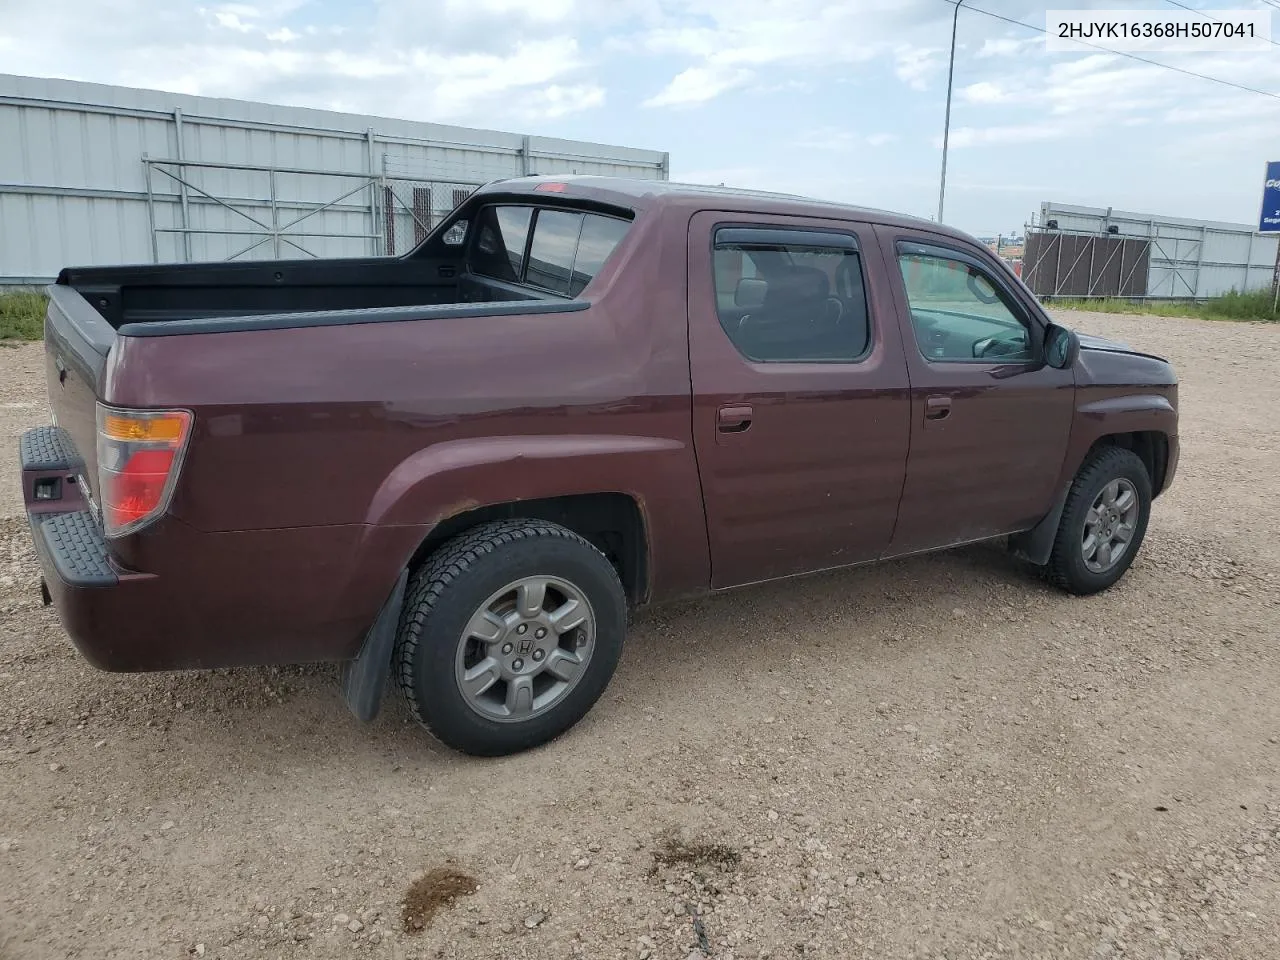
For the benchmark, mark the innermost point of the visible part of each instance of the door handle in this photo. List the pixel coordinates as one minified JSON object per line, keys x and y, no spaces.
{"x":937,"y":408}
{"x":733,"y":419}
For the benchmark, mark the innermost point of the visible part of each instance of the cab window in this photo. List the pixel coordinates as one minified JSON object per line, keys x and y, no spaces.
{"x":958,"y":312}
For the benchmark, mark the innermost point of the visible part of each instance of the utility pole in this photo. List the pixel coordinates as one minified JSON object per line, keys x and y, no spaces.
{"x":946,"y":127}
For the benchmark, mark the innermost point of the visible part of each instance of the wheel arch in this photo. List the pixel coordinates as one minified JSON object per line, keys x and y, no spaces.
{"x":614,"y":523}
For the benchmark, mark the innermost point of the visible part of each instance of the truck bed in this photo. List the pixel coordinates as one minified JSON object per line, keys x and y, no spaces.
{"x":163,"y":293}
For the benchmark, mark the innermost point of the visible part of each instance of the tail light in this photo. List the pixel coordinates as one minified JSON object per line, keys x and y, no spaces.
{"x":139,"y":456}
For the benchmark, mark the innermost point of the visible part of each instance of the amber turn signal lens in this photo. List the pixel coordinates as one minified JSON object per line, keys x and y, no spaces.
{"x":166,"y":427}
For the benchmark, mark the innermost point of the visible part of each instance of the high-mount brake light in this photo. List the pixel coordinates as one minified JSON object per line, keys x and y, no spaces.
{"x":139,"y":456}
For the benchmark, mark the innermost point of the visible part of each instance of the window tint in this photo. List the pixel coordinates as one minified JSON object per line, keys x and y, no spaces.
{"x":958,"y":312}
{"x":499,"y":251}
{"x":567,"y":251}
{"x":791,"y":302}
{"x":555,"y":244}
{"x":600,"y":235}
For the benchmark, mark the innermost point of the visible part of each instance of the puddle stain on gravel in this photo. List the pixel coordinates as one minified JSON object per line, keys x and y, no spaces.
{"x":674,"y":851}
{"x":431,"y":893}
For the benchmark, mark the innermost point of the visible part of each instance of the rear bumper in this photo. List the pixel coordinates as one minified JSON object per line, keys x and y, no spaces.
{"x":233,"y":598}
{"x":102,"y":608}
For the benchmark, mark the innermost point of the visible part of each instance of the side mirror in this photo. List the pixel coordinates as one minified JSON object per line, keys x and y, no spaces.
{"x":1061,"y":347}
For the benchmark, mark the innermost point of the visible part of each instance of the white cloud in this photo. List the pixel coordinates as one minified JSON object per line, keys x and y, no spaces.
{"x":841,"y":140}
{"x":697,"y":85}
{"x":914,"y":66}
{"x":557,"y":101}
{"x":800,"y":35}
{"x":985,"y":92}
{"x":270,"y":51}
{"x":1012,"y":133}
{"x":1006,"y":46}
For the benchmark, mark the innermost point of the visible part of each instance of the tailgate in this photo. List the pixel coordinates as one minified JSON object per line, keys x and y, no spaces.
{"x":77,"y":340}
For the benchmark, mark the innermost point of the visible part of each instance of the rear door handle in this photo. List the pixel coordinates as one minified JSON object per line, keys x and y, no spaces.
{"x":937,"y":408}
{"x":734,"y":419}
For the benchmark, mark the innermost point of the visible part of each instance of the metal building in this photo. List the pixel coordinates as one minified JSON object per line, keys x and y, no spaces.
{"x":1100,"y":252}
{"x":94,"y":174}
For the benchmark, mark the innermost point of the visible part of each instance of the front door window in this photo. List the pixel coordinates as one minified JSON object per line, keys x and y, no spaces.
{"x":958,"y":313}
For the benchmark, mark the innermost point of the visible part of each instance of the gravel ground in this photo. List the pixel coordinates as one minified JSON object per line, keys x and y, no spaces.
{"x":939,"y":757}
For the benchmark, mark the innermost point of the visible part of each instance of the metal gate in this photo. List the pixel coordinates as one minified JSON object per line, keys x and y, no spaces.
{"x":1059,"y":264}
{"x":227,"y":211}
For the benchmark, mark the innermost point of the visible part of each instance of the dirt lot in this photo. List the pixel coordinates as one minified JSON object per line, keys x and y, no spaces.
{"x":936,"y":758}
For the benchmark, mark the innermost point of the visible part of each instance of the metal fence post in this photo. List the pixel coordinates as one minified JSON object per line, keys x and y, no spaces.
{"x":1248,"y":264}
{"x":151,"y":211}
{"x":182,"y":185}
{"x":275,"y":217}
{"x":376,"y":237}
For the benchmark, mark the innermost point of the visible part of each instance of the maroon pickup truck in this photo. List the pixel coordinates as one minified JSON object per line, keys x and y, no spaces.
{"x":460,"y":468}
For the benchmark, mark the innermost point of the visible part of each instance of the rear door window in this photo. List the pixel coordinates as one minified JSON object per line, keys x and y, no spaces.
{"x":791,"y":296}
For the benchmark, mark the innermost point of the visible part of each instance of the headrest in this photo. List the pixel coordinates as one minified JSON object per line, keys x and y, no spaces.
{"x":797,"y":285}
{"x":750,"y":293}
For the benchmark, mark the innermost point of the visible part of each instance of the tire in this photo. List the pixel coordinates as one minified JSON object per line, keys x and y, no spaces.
{"x":437,"y":649}
{"x":1069,"y":568}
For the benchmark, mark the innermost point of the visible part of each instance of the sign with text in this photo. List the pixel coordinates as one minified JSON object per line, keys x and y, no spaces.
{"x":1269,"y":220}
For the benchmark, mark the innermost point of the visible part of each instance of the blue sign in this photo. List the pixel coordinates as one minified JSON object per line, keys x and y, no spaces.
{"x":1269,"y":221}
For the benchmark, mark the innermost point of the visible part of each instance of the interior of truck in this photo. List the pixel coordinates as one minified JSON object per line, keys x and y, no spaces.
{"x":485,"y":252}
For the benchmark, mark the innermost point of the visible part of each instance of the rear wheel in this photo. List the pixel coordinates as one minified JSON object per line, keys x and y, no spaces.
{"x":510,"y":633}
{"x":1103,"y":523}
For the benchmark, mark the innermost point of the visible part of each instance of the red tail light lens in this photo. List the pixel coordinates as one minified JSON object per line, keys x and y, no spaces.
{"x":139,"y":456}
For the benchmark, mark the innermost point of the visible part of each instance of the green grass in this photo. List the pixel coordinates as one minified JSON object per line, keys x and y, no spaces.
{"x":22,"y":315}
{"x":1232,"y":306}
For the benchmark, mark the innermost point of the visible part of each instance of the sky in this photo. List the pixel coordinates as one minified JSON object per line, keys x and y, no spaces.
{"x":837,"y":99}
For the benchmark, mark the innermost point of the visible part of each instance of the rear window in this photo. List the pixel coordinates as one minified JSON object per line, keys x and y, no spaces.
{"x":499,"y":250}
{"x":566,"y":249}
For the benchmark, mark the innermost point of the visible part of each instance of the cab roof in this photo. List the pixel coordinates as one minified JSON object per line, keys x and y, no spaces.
{"x":637,"y":194}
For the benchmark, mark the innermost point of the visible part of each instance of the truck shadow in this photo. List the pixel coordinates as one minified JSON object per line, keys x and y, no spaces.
{"x":674,"y":653}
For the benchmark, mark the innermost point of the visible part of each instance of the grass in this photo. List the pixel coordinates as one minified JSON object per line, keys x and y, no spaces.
{"x":22,"y":315}
{"x":1231,"y":306}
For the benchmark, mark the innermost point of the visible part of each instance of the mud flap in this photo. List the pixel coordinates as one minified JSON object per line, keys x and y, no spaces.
{"x":1035,"y":545}
{"x":365,"y":677}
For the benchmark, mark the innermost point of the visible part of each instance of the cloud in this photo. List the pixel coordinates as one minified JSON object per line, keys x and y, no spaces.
{"x":840,"y":140}
{"x":511,"y":61}
{"x":723,"y":36}
{"x":698,"y":85}
{"x":914,"y":65}
{"x":1006,"y":46}
{"x":985,"y":92}
{"x":1013,"y":133}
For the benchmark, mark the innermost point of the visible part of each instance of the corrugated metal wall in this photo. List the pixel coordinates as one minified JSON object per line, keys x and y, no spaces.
{"x":1188,"y":259}
{"x":94,"y":174}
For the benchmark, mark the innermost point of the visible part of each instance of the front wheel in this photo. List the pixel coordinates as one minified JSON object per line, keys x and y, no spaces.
{"x":510,"y":633}
{"x":1103,"y":523}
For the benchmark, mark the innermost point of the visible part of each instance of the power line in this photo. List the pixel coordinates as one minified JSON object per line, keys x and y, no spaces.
{"x":1272,"y":3}
{"x":1130,"y":56}
{"x":1206,"y":16}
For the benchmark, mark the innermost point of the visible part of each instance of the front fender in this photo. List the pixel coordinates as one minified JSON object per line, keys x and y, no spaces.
{"x":1123,"y":410}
